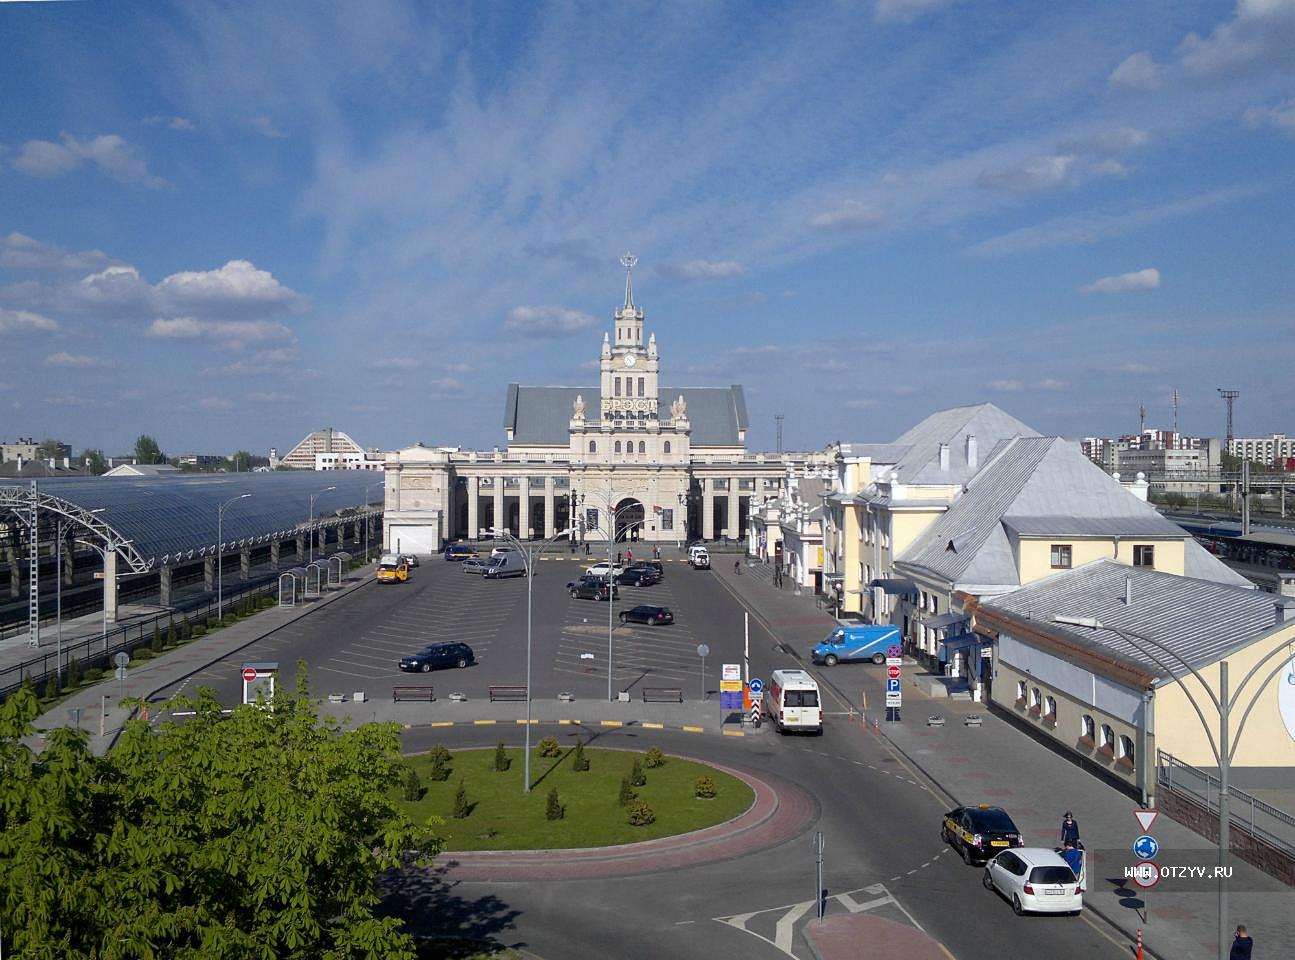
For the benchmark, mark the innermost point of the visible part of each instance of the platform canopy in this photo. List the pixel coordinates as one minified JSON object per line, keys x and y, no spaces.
{"x":160,"y":520}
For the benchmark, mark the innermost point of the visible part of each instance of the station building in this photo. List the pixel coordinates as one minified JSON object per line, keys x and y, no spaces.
{"x":628,"y":457}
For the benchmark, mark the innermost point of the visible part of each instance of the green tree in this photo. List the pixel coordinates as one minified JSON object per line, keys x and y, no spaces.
{"x":553,"y":809}
{"x":626,"y":792}
{"x":462,"y":808}
{"x":147,"y":450}
{"x":580,"y":762}
{"x":502,"y":762}
{"x":261,"y":833}
{"x":96,"y":463}
{"x":50,"y":448}
{"x":240,"y":462}
{"x":637,"y":778}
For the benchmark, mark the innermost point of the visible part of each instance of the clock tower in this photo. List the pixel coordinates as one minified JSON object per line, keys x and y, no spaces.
{"x":629,"y":368}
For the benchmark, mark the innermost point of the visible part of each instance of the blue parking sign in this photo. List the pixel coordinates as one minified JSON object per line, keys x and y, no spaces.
{"x":892,"y":686}
{"x":756,"y":685}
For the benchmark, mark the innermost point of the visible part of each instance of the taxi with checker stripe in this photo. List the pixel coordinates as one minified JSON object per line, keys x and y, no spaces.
{"x":980,"y":832}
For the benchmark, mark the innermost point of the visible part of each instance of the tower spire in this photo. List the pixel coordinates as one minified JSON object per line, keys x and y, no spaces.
{"x":628,"y":262}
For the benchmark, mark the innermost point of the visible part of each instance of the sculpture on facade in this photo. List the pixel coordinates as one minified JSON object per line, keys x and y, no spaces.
{"x":578,"y":408}
{"x":679,"y":408}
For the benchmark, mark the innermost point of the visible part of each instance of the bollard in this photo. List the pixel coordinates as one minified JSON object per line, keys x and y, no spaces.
{"x":1139,"y":943}
{"x":876,"y":726}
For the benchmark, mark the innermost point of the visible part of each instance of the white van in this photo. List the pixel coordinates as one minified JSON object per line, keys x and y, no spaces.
{"x":792,"y":702}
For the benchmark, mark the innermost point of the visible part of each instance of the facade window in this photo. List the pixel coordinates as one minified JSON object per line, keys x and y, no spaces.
{"x":667,"y":519}
{"x":591,"y":518}
{"x":1061,"y":556}
{"x":667,"y":446}
{"x":1087,"y":729}
{"x":1036,"y":700}
{"x":1144,"y":555}
{"x":593,"y":446}
{"x":618,"y":446}
{"x":1107,"y":743}
{"x":1124,"y":749}
{"x":640,"y":386}
{"x":935,"y":604}
{"x":1020,"y":691}
{"x":642,"y":447}
{"x":1050,"y":709}
{"x":618,"y":386}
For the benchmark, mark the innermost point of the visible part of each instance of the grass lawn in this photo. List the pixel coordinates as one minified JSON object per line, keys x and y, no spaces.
{"x":503,"y":818}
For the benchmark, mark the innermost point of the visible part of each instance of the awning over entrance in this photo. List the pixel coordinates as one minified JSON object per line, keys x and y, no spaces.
{"x":970,"y":646}
{"x":895,"y":587}
{"x":945,"y":620}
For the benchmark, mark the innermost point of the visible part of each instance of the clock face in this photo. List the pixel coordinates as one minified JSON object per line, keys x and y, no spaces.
{"x":629,"y":360}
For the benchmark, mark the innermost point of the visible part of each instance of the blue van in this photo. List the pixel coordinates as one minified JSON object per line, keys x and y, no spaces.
{"x":856,"y":643}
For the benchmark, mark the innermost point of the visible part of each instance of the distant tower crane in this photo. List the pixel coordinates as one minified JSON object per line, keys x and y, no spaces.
{"x":778,"y":418}
{"x":1142,"y":425}
{"x":1229,"y":396}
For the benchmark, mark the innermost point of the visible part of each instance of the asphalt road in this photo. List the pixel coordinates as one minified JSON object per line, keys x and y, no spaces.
{"x":881,"y":824}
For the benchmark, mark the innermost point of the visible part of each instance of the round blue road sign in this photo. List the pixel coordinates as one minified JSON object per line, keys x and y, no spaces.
{"x":1146,"y":847}
{"x":756,"y":685}
{"x":894,"y":650}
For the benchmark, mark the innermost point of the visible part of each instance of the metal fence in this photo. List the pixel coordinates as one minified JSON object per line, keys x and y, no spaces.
{"x":1262,"y":820}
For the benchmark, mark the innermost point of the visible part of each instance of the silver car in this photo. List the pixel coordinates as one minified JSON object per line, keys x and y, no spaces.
{"x":474,"y":565}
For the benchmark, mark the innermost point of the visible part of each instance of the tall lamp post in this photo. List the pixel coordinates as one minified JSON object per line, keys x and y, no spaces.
{"x":610,"y":531}
{"x":312,"y":520}
{"x":531,"y":554}
{"x":1224,"y":749}
{"x":367,"y":488}
{"x":220,"y":553}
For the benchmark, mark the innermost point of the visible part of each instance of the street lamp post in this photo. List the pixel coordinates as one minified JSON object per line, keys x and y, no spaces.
{"x":367,"y":488}
{"x":532,"y":554}
{"x":312,"y":520}
{"x":613,"y":516}
{"x":220,"y":553}
{"x":1223,"y":750}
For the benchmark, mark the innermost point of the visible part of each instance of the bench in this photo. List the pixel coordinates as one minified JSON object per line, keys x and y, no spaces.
{"x":662,"y":695}
{"x":512,"y":692}
{"x":411,"y":693}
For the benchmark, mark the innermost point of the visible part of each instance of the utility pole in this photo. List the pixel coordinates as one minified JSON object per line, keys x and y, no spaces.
{"x":778,"y":418}
{"x":1175,"y":402}
{"x":1229,"y":396}
{"x":1142,"y":424}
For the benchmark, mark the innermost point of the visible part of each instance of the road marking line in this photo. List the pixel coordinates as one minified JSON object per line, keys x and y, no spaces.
{"x":734,"y":733}
{"x":611,"y":723}
{"x":854,"y":906}
{"x":484,"y":723}
{"x":442,"y":723}
{"x":656,"y":726}
{"x":739,"y":920}
{"x":565,"y":723}
{"x":946,"y":950}
{"x":688,"y":729}
{"x":524,"y":722}
{"x":786,"y":925}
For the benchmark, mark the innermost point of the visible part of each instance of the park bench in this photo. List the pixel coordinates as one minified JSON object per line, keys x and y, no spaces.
{"x":411,"y":693}
{"x":662,"y":695}
{"x":509,"y":692}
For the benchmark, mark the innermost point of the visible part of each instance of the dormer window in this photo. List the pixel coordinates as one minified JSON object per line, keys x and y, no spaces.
{"x":950,"y":548}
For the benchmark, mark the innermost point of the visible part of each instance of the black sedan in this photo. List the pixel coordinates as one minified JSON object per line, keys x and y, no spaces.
{"x":438,"y":655}
{"x":639,"y":576}
{"x":980,"y":832}
{"x":656,"y":616}
{"x":592,"y":588}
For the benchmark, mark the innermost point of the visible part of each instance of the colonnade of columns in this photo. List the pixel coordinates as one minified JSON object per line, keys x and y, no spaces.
{"x":524,"y":498}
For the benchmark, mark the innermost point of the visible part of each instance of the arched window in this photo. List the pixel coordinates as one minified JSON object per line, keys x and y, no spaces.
{"x":641,"y":391}
{"x":618,"y":386}
{"x":593,"y":446}
{"x":1107,"y":744}
{"x":1087,"y":728}
{"x":1036,"y":701}
{"x":1125,"y":749}
{"x":1050,"y":709}
{"x":642,"y":447}
{"x":618,"y":446}
{"x":667,"y":446}
{"x":1020,"y":691}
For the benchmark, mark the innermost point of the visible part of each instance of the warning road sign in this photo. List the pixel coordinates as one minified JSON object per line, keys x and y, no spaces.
{"x":1146,"y":818}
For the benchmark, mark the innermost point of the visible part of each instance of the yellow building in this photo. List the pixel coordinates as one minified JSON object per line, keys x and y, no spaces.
{"x":1116,"y":682}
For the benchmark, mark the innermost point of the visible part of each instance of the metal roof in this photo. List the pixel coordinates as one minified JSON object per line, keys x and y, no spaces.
{"x":1198,"y":620}
{"x":173,"y":518}
{"x":542,"y":415}
{"x":986,"y":422}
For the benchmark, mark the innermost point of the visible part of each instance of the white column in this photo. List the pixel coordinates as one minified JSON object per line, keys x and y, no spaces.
{"x":707,"y":509}
{"x":474,"y":505}
{"x":498,"y":481}
{"x":733,"y":515}
{"x":524,"y":509}
{"x":549,"y":526}
{"x":110,"y":586}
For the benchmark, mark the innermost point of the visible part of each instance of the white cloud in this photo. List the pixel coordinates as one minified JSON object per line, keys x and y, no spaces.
{"x":704,"y":270}
{"x":544,"y":322}
{"x":1148,"y":279}
{"x":444,"y":385}
{"x":905,"y":11}
{"x":238,"y":281}
{"x":862,"y":403}
{"x":214,"y":403}
{"x":267,"y":128}
{"x":235,"y":334}
{"x":1280,"y":117}
{"x":1006,"y":386}
{"x":1031,"y":175}
{"x":1050,"y":384}
{"x":1261,"y":33}
{"x":78,"y":361}
{"x":65,"y":400}
{"x":1112,"y":140}
{"x":21,"y":252}
{"x":1137,"y":72}
{"x":173,"y":123}
{"x":24,"y":321}
{"x":849,"y":215}
{"x":393,"y":363}
{"x":270,"y":397}
{"x":112,"y":154}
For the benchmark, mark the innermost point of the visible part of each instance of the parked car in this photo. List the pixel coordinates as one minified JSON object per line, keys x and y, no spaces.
{"x":434,"y":656}
{"x":411,"y":560}
{"x":656,"y":616}
{"x":459,"y":551}
{"x":856,"y":642}
{"x":592,"y":588}
{"x":656,"y":565}
{"x":699,"y":558}
{"x":603,"y":569}
{"x":1035,"y":880}
{"x":474,"y":565}
{"x":639,"y":576}
{"x":392,"y":569}
{"x":980,"y":832}
{"x":508,"y":565}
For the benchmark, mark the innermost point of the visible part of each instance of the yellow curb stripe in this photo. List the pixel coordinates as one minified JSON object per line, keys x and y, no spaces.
{"x":734,"y":733}
{"x":442,"y":723}
{"x":612,"y":723}
{"x":565,"y":723}
{"x":694,"y":729}
{"x":654,"y":726}
{"x":485,"y":723}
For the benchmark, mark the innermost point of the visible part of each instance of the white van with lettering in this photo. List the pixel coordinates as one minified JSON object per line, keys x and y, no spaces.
{"x":792,"y":702}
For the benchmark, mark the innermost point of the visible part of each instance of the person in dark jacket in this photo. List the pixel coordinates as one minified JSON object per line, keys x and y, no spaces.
{"x":1070,"y":830}
{"x":1073,"y":857}
{"x":1242,"y":944}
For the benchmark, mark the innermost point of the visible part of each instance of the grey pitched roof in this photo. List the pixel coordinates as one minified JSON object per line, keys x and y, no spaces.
{"x":877,"y":452}
{"x":1203,"y":565}
{"x":542,"y":415}
{"x":1199,"y":620}
{"x":1034,"y":487}
{"x":986,"y":422}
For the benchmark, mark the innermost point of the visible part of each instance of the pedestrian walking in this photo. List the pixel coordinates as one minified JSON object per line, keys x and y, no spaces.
{"x":630,"y":555}
{"x":737,"y":567}
{"x":1070,"y":830}
{"x":1242,"y":944}
{"x":656,"y":553}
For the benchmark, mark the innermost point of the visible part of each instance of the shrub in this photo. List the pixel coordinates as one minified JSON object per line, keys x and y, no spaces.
{"x":186,"y":631}
{"x":93,"y":674}
{"x":156,"y":643}
{"x":704,"y":788}
{"x":553,"y":809}
{"x":654,"y":758}
{"x":199,"y":629}
{"x":549,"y":747}
{"x":627,"y":793}
{"x":52,"y":685}
{"x":637,"y":779}
{"x":461,"y":806}
{"x":27,"y":682}
{"x":413,"y":788}
{"x":502,"y":763}
{"x":579,"y":762}
{"x":440,"y":769}
{"x":142,"y":653}
{"x":74,"y":675}
{"x":213,"y":623}
{"x":170,"y":634}
{"x":640,"y":813}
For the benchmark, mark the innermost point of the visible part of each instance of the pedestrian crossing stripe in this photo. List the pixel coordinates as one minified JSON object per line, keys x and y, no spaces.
{"x":612,"y":723}
{"x":694,"y":729}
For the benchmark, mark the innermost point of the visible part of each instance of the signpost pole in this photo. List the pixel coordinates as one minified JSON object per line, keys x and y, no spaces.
{"x":820,"y":903}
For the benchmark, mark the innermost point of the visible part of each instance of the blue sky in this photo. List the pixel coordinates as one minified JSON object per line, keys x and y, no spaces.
{"x":229,"y":224}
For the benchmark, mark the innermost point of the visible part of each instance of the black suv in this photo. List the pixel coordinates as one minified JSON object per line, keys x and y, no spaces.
{"x":980,"y":832}
{"x":437,"y":655}
{"x":592,"y":588}
{"x":639,"y":575}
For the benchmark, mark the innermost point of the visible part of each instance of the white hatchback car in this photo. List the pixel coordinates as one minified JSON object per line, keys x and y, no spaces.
{"x":1035,"y":880}
{"x":600,"y":570}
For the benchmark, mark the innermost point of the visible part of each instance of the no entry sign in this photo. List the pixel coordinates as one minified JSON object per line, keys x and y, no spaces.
{"x":249,"y":674}
{"x":892,"y":673}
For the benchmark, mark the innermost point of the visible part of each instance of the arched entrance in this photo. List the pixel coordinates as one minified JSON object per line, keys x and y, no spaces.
{"x":629,"y":520}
